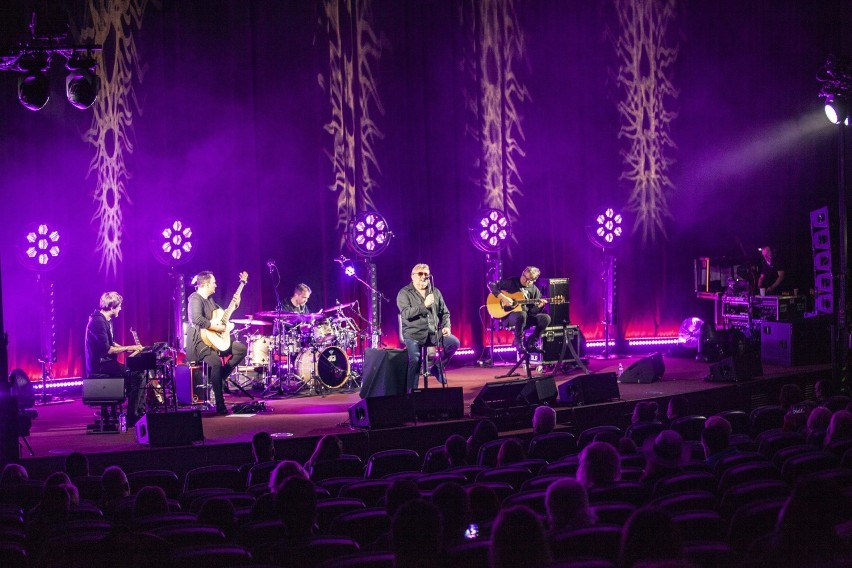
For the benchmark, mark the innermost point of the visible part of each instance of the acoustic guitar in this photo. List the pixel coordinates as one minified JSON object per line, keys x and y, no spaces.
{"x":499,"y":311}
{"x":221,"y":340}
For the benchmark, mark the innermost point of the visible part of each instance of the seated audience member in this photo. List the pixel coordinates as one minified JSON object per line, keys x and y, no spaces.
{"x":328,"y":447}
{"x":817,"y":425}
{"x":13,"y":474}
{"x":790,"y":394}
{"x":262,"y":451}
{"x":608,"y":437}
{"x":599,"y":466}
{"x":650,"y":537}
{"x":454,"y":504}
{"x":644,"y":411}
{"x":484,"y":431}
{"x":219,"y":512}
{"x":296,"y":505}
{"x":664,"y":455}
{"x":54,"y":508}
{"x":839,"y":427}
{"x":416,"y":535}
{"x":824,"y":390}
{"x":114,"y":488}
{"x":567,"y":505}
{"x":796,"y":417}
{"x":61,"y":478}
{"x":518,"y":539}
{"x":76,"y":465}
{"x":678,"y":407}
{"x":627,"y":447}
{"x":455,"y":449}
{"x":544,"y":420}
{"x":484,"y":505}
{"x":400,"y":492}
{"x":150,"y":500}
{"x":715,"y":438}
{"x":511,"y":451}
{"x":285,"y":469}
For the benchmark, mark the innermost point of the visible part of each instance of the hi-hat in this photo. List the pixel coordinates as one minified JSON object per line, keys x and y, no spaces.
{"x":250,"y":322}
{"x":339,"y":307}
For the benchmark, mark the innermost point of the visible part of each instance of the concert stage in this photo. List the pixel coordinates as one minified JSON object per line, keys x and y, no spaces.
{"x":296,"y":422}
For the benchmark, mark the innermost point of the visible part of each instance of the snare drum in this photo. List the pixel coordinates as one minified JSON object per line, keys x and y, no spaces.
{"x":259,"y":347}
{"x":323,"y":333}
{"x":331,"y":367}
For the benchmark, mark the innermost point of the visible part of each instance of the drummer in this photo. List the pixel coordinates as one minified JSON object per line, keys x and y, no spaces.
{"x":298,"y":302}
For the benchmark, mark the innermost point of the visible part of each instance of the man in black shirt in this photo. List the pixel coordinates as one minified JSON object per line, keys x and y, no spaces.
{"x":771,"y":272}
{"x":298,"y":302}
{"x":102,"y":354}
{"x":528,"y":315}
{"x":424,"y":314}
{"x":201,"y":308}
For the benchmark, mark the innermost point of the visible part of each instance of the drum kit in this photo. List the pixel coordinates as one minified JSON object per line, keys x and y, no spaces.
{"x":307,"y":353}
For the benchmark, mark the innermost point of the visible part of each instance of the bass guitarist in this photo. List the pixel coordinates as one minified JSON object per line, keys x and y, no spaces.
{"x":527,"y":315}
{"x":202,"y":319}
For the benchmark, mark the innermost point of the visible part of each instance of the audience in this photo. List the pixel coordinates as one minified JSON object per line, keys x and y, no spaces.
{"x":454,"y":504}
{"x":484,"y":505}
{"x":150,"y":501}
{"x":824,"y":390}
{"x":262,"y":451}
{"x":455,"y":449}
{"x":328,"y":448}
{"x":599,"y":466}
{"x":649,"y":537}
{"x":518,"y":539}
{"x":219,"y":512}
{"x":544,"y":420}
{"x":285,"y":469}
{"x":567,"y":505}
{"x":644,"y":411}
{"x":484,"y":431}
{"x":13,"y":474}
{"x":817,"y":426}
{"x":715,"y":438}
{"x":678,"y":407}
{"x":511,"y":451}
{"x":664,"y":455}
{"x":790,"y":394}
{"x":839,"y":427}
{"x":416,"y":536}
{"x":114,"y":488}
{"x":76,"y":465}
{"x":54,"y":508}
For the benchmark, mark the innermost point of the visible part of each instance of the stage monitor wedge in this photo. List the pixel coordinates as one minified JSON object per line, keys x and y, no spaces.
{"x":382,"y":411}
{"x":513,"y":397}
{"x":589,"y":389}
{"x":647,"y":370}
{"x":163,"y":429}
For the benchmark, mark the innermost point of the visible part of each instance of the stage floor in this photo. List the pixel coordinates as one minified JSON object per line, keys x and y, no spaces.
{"x":61,"y":428}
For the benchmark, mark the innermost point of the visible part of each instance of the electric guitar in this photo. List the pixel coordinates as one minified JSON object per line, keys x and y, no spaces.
{"x":157,"y":389}
{"x":498,"y":310}
{"x":221,"y":340}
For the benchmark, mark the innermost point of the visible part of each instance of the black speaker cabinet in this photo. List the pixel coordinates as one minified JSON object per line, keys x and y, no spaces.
{"x":103,"y":390}
{"x":589,"y":389}
{"x":553,"y":338}
{"x":189,"y":384}
{"x":736,"y":368}
{"x":382,"y":411}
{"x":645,"y":370}
{"x":439,"y":403}
{"x":384,"y":372}
{"x":560,"y":313}
{"x":510,"y":397}
{"x":791,"y":344}
{"x":162,"y":429}
{"x":539,"y":391}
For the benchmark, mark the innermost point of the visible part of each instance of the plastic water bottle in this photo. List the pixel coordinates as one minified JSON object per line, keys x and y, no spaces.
{"x":122,"y":422}
{"x":620,"y":370}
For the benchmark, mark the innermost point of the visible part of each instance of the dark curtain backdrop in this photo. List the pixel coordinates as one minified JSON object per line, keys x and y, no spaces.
{"x":229,"y":137}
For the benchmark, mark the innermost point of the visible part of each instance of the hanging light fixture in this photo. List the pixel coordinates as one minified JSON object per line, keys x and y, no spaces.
{"x":369,"y":234}
{"x":490,"y":231}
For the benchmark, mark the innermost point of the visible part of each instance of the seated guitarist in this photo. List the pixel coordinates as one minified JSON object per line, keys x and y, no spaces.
{"x":201,"y":308}
{"x":527,"y":316}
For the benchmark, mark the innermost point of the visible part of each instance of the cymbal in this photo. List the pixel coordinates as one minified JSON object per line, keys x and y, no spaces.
{"x":339,"y":307}
{"x":291,"y":317}
{"x":250,"y":322}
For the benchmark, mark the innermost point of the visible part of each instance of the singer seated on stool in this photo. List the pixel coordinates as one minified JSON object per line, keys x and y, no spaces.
{"x":424,"y":321}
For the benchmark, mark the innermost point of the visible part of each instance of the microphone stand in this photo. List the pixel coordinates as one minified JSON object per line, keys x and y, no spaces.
{"x":439,"y":332}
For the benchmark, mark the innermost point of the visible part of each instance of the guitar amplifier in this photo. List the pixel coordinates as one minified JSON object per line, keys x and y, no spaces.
{"x":560,"y":314}
{"x":552,"y":340}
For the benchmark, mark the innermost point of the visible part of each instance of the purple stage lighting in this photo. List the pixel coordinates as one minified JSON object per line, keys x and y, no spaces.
{"x":369,"y":235}
{"x":491,"y":231}
{"x":41,"y":249}
{"x":349,"y":270}
{"x":82,"y":84}
{"x":175,"y":244}
{"x":607,"y":230}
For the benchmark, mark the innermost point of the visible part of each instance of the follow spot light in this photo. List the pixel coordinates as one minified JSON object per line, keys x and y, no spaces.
{"x":837,"y":109}
{"x":491,"y":231}
{"x":369,"y":235}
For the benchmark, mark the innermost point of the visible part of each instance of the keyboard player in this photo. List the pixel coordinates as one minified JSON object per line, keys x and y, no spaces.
{"x":102,"y":354}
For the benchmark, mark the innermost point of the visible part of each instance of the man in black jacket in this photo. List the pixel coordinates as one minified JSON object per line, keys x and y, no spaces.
{"x":528,"y":315}
{"x":102,"y":354}
{"x":425,"y":321}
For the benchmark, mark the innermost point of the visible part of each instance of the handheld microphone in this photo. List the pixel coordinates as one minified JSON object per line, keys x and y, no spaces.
{"x":270,"y":264}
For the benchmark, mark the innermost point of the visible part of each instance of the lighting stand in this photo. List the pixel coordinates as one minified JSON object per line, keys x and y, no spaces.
{"x":375,"y":314}
{"x":493,"y":273}
{"x":179,"y":317}
{"x":608,"y":297}
{"x":840,"y":350}
{"x":48,"y":335}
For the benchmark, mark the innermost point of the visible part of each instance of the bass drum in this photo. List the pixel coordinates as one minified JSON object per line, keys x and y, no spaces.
{"x":331,"y":368}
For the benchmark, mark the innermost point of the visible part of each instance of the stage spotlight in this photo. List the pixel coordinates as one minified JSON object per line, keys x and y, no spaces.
{"x":491,"y":231}
{"x":607,"y":230}
{"x":82,"y":84}
{"x":837,"y":109}
{"x":33,"y":90}
{"x":369,"y":235}
{"x":174,"y":245}
{"x":41,"y":248}
{"x":349,"y":270}
{"x":22,"y":389}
